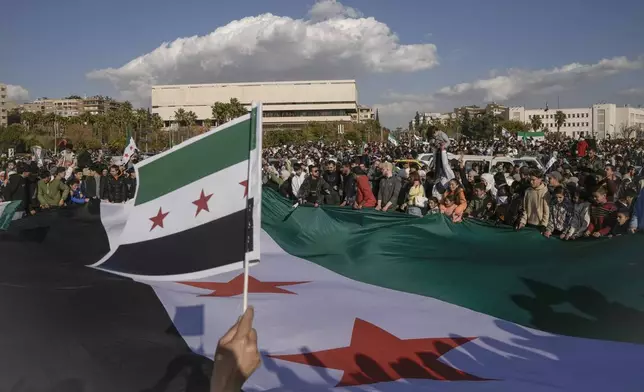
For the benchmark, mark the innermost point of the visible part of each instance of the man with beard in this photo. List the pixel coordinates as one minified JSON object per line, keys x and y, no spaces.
{"x":332,"y":177}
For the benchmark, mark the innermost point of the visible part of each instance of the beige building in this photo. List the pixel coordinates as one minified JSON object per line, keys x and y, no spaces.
{"x":99,"y":104}
{"x":71,"y":107}
{"x":4,"y":113}
{"x":601,"y":120}
{"x":285,"y":104}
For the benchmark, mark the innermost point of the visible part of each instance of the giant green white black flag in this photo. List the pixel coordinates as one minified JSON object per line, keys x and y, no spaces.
{"x":197,"y":207}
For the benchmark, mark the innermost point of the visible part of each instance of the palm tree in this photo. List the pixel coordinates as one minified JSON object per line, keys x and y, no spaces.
{"x":180,"y":117}
{"x":535,"y":122}
{"x":560,"y":119}
{"x":220,"y":113}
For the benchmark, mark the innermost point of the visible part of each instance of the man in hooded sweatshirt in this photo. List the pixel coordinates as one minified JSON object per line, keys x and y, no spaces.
{"x":536,"y":203}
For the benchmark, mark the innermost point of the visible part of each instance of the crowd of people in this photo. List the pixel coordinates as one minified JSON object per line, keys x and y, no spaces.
{"x":586,"y":189}
{"x":63,"y":182}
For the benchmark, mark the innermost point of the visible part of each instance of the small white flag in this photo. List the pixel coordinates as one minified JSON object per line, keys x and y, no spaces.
{"x":130,"y":149}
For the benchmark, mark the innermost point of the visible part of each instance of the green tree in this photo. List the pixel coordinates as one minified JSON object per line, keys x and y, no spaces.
{"x":535,"y":122}
{"x":236,"y":109}
{"x":513,"y":126}
{"x":560,"y":119}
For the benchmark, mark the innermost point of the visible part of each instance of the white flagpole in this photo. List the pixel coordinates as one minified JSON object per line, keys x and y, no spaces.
{"x":252,"y":164}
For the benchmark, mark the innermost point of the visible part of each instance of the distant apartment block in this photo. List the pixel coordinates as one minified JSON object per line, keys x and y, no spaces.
{"x":71,"y":107}
{"x":4,"y":112}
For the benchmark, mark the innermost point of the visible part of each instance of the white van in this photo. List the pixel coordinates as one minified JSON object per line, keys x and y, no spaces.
{"x":485,"y":162}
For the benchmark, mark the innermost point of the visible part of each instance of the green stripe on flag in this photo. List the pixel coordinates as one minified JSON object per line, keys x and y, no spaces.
{"x":253,"y":127}
{"x":7,"y":211}
{"x":194,"y":161}
{"x":584,"y":288}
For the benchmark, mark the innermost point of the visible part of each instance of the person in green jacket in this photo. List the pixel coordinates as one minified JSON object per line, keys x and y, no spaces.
{"x":52,"y":192}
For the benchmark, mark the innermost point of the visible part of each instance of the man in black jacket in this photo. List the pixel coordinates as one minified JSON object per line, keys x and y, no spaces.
{"x":131,"y":183}
{"x":116,"y":187}
{"x":17,"y":188}
{"x":348,"y":186}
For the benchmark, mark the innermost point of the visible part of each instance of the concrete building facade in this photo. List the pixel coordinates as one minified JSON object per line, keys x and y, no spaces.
{"x":601,"y":120}
{"x":4,"y":113}
{"x":285,"y":104}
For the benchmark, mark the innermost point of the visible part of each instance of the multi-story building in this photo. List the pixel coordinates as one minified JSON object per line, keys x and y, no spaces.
{"x":578,"y":121}
{"x":99,"y":104}
{"x":4,"y":114}
{"x":364,"y":113}
{"x":60,"y":107}
{"x":600,"y":120}
{"x":285,"y":104}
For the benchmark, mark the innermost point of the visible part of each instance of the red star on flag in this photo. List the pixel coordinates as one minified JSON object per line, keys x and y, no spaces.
{"x":126,"y":155}
{"x":236,"y":287}
{"x":202,"y":202}
{"x":374,"y":355}
{"x":158,"y":219}
{"x":245,"y":185}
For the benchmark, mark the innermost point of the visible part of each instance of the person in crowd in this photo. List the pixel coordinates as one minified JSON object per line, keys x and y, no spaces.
{"x":477,"y":208}
{"x":388,"y":189}
{"x":579,"y":217}
{"x":503,"y":195}
{"x":17,"y":188}
{"x":602,"y":214}
{"x":52,"y":190}
{"x":536,"y":203}
{"x":334,"y":179}
{"x":92,"y":183}
{"x":622,"y":223}
{"x":416,"y":199}
{"x":433,"y":206}
{"x":348,"y":185}
{"x":297,"y":179}
{"x":314,"y":188}
{"x":364,"y":197}
{"x":131,"y":183}
{"x":455,"y":189}
{"x":116,"y":186}
{"x":449,"y":206}
{"x":637,"y":218}
{"x":611,"y":181}
{"x":560,"y":213}
{"x":76,"y":197}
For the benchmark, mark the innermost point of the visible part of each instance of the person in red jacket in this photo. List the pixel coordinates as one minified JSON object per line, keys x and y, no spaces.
{"x":603,"y":214}
{"x":365,"y":197}
{"x":582,"y":146}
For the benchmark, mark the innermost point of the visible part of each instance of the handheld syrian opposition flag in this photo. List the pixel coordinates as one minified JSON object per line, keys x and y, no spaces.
{"x":8,"y":213}
{"x":392,"y":140}
{"x":197,"y":207}
{"x":130,"y":149}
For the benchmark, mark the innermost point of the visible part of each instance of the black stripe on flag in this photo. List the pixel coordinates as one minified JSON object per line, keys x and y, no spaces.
{"x":215,"y":244}
{"x":66,"y":327}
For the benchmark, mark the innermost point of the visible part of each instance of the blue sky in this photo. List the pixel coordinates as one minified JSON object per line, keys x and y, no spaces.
{"x":516,"y":52}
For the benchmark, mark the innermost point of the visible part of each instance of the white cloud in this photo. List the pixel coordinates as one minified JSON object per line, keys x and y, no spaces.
{"x":17,"y":93}
{"x":329,"y":9}
{"x":633,"y":92}
{"x":514,"y":83}
{"x":334,"y":42}
{"x":543,"y":81}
